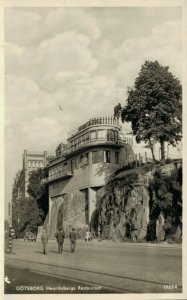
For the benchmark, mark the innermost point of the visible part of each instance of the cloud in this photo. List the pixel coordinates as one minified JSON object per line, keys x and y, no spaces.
{"x":68,"y":19}
{"x":59,"y":57}
{"x":66,"y":52}
{"x":30,"y":28}
{"x":164,"y":44}
{"x":22,"y":27}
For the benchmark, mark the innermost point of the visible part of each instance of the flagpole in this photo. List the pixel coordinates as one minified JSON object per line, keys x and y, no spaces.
{"x":68,"y":116}
{"x":68,"y":119}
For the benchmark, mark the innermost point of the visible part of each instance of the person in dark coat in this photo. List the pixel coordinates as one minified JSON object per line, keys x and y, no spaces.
{"x":72,"y":237}
{"x":60,"y":236}
{"x":44,"y":240}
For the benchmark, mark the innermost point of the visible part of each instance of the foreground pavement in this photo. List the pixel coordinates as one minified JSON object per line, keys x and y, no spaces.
{"x":99,"y":267}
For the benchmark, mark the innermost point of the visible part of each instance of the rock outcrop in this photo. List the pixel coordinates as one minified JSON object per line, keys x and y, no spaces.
{"x":124,"y":206}
{"x":124,"y":212}
{"x":160,"y":231}
{"x":67,"y":211}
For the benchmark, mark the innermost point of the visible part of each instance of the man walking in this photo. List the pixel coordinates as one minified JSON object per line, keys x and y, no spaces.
{"x":60,"y":236}
{"x":72,"y":237}
{"x":44,"y":240}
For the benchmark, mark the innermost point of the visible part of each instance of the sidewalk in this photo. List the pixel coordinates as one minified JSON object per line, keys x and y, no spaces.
{"x":109,"y":242}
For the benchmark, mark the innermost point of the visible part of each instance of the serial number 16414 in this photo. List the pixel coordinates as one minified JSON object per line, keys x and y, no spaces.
{"x":170,"y":286}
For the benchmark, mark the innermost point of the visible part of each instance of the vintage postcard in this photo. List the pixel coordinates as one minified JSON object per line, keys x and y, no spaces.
{"x":93,"y":136}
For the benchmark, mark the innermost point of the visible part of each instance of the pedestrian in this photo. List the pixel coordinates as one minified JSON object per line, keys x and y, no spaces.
{"x":60,"y":236}
{"x":11,"y":239}
{"x":44,"y":240}
{"x":72,"y":237}
{"x":88,"y":236}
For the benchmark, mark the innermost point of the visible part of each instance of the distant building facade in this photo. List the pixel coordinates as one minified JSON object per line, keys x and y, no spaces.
{"x":81,"y":167}
{"x":31,"y":162}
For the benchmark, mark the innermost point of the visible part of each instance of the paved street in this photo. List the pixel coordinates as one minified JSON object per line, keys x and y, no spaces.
{"x":100,"y":267}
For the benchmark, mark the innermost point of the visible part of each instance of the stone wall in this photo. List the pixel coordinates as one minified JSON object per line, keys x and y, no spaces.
{"x":67,"y":211}
{"x":52,"y":225}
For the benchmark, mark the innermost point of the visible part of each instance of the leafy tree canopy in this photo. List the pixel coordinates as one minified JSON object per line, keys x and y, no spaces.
{"x":154,"y":106}
{"x":38,"y":191}
{"x":30,"y":215}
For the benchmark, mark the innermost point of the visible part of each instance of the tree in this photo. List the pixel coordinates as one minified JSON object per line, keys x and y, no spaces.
{"x":31,"y":216}
{"x":38,"y":191}
{"x":154,"y":107}
{"x":117,"y":111}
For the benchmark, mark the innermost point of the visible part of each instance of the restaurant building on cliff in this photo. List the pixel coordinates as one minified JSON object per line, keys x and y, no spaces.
{"x":81,"y":167}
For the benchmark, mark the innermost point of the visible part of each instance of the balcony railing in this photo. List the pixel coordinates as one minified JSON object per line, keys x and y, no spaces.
{"x":60,"y":174}
{"x":87,"y":143}
{"x":96,"y":121}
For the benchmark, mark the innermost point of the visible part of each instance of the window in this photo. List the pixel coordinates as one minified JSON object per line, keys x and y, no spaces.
{"x":86,"y":159}
{"x":79,"y":142}
{"x":87,"y":137}
{"x":93,"y":135}
{"x":81,"y":161}
{"x":94,"y":157}
{"x":72,"y":165}
{"x":116,"y":135}
{"x":71,"y":145}
{"x":101,"y":134}
{"x":110,"y":135}
{"x":83,"y":140}
{"x":116,"y":157}
{"x":76,"y":163}
{"x":100,"y":156}
{"x":75,"y":144}
{"x":107,"y":156}
{"x":65,"y":167}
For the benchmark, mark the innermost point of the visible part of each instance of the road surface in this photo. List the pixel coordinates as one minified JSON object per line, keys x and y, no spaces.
{"x":99,"y":267}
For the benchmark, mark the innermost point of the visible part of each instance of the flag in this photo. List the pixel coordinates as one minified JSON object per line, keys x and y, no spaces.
{"x":60,"y":107}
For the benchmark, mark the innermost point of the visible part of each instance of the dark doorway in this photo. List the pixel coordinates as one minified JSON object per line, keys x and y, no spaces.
{"x":86,"y":197}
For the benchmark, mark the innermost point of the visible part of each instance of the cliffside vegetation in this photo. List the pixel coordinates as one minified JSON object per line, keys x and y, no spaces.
{"x":166,"y":198}
{"x":130,"y":206}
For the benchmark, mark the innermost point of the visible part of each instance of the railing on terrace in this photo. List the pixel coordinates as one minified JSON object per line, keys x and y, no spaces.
{"x":86,"y":143}
{"x":95,"y":141}
{"x":96,"y":121}
{"x":60,"y":174}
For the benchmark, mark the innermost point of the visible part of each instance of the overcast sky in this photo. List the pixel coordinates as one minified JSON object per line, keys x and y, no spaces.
{"x":85,"y":56}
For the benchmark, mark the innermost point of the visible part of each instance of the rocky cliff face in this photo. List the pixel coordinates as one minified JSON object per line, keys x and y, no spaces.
{"x":66,"y":212}
{"x":124,"y":206}
{"x":124,"y":211}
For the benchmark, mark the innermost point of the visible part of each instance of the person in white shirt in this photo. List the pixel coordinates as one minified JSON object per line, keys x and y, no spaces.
{"x":88,"y":236}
